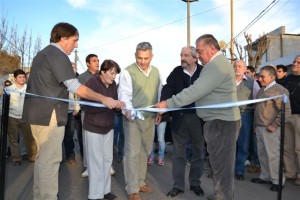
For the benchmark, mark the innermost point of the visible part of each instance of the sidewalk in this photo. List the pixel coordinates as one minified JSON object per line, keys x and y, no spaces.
{"x":72,"y":187}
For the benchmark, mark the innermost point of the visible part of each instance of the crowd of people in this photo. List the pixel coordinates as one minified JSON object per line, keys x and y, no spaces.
{"x":230,"y":136}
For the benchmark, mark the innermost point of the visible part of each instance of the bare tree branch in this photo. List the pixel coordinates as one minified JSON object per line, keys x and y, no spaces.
{"x":29,"y":48}
{"x":23,"y":47}
{"x":3,"y":32}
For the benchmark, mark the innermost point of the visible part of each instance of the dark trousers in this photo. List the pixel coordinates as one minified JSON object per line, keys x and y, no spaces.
{"x":119,"y":134}
{"x":221,"y":137}
{"x":242,"y":149}
{"x":74,"y":123}
{"x":190,"y":129}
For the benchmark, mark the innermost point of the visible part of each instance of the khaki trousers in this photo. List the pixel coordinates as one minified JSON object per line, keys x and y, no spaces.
{"x":268,"y":149}
{"x":49,"y":155}
{"x":292,"y":147}
{"x":139,"y":136}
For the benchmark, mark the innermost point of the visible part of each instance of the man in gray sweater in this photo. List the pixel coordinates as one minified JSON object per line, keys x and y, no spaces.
{"x":216,"y":84}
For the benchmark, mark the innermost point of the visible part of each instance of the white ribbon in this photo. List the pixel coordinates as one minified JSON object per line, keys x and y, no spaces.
{"x":137,"y":112}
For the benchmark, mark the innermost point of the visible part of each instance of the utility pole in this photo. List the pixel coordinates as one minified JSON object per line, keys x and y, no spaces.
{"x":232,"y":37}
{"x":188,"y":21}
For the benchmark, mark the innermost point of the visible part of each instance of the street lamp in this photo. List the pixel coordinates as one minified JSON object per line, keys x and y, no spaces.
{"x":188,"y":20}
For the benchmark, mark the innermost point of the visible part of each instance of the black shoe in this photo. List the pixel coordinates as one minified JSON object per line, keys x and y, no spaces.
{"x":211,"y":197}
{"x":260,"y":181}
{"x":240,"y":177}
{"x":174,"y":192}
{"x":24,"y":157}
{"x":110,"y":196}
{"x":8,"y":152}
{"x":275,"y":188}
{"x":197,"y":190}
{"x":16,"y":163}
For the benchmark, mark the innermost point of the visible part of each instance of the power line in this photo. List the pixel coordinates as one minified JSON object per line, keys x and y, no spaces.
{"x":152,"y":29}
{"x":261,"y":14}
{"x":11,"y":43}
{"x":278,"y":10}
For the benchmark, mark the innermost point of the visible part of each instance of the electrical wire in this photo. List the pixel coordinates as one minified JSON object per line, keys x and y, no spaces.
{"x":261,"y":14}
{"x":152,"y":29}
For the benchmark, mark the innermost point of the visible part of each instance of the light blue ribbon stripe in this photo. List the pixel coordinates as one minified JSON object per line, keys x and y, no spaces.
{"x":137,"y":112}
{"x":220,"y":105}
{"x":94,"y":104}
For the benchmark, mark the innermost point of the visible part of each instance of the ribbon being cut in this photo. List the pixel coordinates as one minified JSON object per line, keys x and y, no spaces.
{"x":135,"y":113}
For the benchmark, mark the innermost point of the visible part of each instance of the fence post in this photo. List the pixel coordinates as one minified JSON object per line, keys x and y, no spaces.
{"x":282,"y":127}
{"x":3,"y":142}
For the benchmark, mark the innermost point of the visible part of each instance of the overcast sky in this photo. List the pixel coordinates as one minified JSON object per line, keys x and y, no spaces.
{"x":112,"y":28}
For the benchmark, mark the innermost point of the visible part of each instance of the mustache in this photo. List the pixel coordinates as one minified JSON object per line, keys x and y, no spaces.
{"x":182,"y":61}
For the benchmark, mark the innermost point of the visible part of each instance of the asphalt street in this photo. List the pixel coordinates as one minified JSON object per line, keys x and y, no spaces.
{"x":72,"y":186}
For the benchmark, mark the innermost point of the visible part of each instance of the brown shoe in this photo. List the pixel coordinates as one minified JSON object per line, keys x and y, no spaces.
{"x":134,"y":196}
{"x":253,"y":169}
{"x":145,"y":188}
{"x":72,"y":162}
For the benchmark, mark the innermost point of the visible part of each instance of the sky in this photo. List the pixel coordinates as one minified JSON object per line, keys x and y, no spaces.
{"x":112,"y":28}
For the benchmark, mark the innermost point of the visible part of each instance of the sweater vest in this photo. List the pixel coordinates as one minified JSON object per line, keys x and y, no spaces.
{"x":245,"y":92}
{"x":144,"y":89}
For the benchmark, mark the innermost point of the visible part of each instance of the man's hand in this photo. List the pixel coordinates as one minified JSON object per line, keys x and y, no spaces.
{"x":271,"y":129}
{"x":128,"y":115}
{"x":158,"y":118}
{"x":111,"y":103}
{"x":75,"y":112}
{"x":123,"y":104}
{"x":162,"y":104}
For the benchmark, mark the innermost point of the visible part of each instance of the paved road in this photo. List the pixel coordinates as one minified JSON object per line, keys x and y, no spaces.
{"x":73,"y":187}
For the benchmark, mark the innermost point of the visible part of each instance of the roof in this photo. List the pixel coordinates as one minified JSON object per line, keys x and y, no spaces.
{"x":286,"y":60}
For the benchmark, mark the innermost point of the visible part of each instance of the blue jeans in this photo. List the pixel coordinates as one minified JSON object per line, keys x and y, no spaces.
{"x":160,"y":131}
{"x":119,"y":134}
{"x":242,"y":149}
{"x":74,"y":123}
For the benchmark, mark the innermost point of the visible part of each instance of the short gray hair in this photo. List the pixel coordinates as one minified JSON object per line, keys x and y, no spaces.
{"x":241,"y":61}
{"x":193,"y":51}
{"x":270,"y":70}
{"x":144,"y":46}
{"x":209,"y":40}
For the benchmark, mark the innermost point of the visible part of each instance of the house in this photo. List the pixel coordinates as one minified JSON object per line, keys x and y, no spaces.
{"x":282,"y":49}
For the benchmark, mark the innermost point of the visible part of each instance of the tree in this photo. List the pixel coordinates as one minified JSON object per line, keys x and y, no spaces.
{"x":3,"y":32}
{"x":37,"y":45}
{"x":8,"y":63}
{"x":257,"y":49}
{"x":22,"y":47}
{"x":16,"y":51}
{"x":239,"y":50}
{"x":13,"y":40}
{"x":29,"y":49}
{"x":224,"y":47}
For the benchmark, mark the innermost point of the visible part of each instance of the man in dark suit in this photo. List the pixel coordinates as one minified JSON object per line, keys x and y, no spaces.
{"x":186,"y":125}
